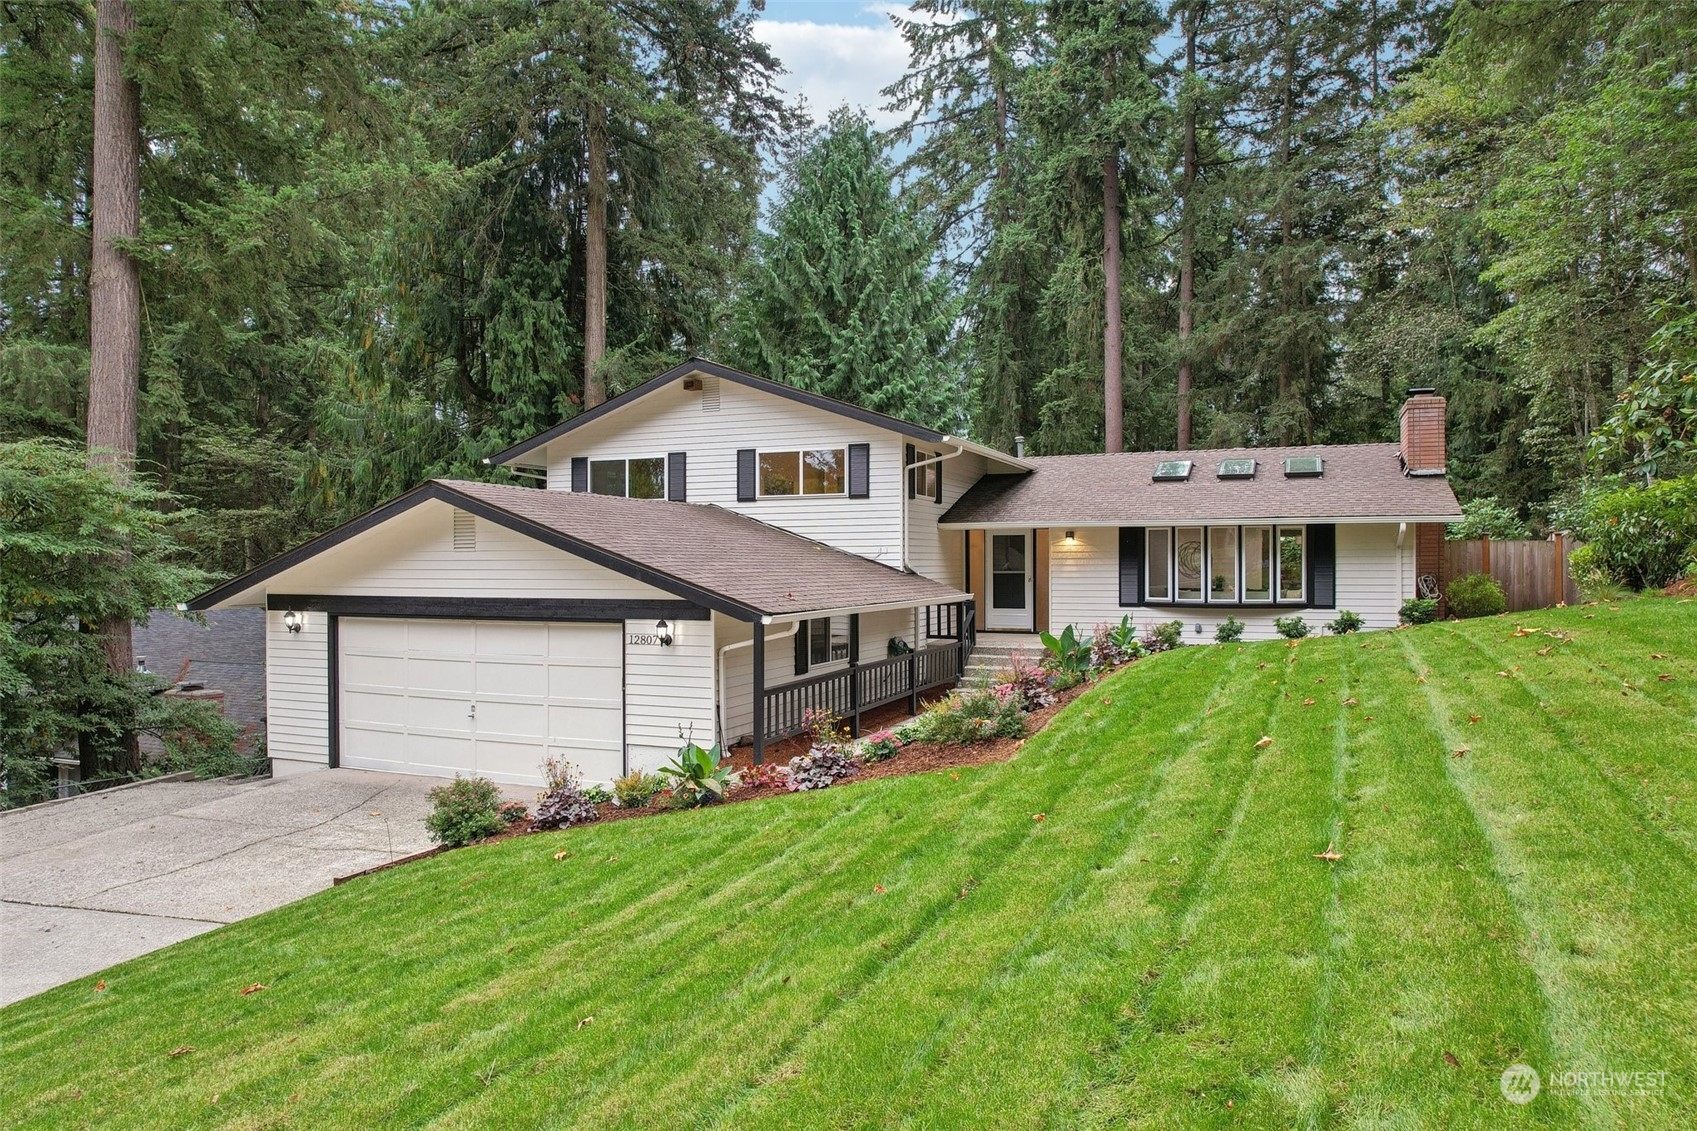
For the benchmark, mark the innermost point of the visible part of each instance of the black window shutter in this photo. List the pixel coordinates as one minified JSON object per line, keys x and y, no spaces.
{"x":677,"y":477}
{"x":860,"y":471}
{"x":1131,"y":565}
{"x":745,"y":475}
{"x":580,"y":474}
{"x":801,"y":649}
{"x":912,"y":475}
{"x":937,"y":478}
{"x":1322,"y":565}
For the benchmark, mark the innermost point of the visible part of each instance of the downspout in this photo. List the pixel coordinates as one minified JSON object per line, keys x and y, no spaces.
{"x":795,"y":627}
{"x":960,"y":449}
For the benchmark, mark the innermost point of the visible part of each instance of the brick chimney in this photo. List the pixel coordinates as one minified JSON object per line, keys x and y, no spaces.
{"x":1423,"y":433}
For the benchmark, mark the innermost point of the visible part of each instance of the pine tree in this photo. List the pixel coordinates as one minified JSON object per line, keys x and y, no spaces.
{"x":842,"y":298}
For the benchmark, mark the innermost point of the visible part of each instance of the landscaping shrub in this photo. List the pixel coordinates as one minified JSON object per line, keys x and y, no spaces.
{"x":1067,"y":652}
{"x":1476,"y":595}
{"x":636,"y":789}
{"x":1640,"y":537}
{"x":198,"y":738}
{"x":880,"y":747}
{"x":698,"y":776}
{"x":1346,"y":622}
{"x":1291,"y":628}
{"x":820,"y":767}
{"x":1115,"y":644}
{"x":1163,"y":637}
{"x":1034,"y":687}
{"x":463,"y":811}
{"x":766,"y":774}
{"x":1418,"y":610}
{"x":1229,"y":631}
{"x":975,"y":716}
{"x":1488,"y":518}
{"x":512,"y":812}
{"x":563,"y":807}
{"x":596,"y":794}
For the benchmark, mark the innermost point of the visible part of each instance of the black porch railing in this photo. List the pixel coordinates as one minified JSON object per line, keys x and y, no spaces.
{"x":847,"y":692}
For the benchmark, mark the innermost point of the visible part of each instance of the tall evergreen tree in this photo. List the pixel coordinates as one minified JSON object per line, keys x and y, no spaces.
{"x":842,"y":297}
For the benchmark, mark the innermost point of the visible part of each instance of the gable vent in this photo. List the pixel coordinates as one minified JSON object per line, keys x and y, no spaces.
{"x":465,"y":531}
{"x":709,"y":394}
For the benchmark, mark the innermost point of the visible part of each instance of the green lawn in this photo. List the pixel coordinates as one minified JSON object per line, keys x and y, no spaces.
{"x":1161,"y":949}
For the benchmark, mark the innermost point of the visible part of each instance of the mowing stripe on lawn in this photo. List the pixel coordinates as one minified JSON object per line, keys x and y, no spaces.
{"x":893,"y":1028}
{"x":1428,"y":963}
{"x":1605,"y":895}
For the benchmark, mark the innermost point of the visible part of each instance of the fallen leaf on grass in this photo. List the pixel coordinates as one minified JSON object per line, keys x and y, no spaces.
{"x":1331,"y":854}
{"x":1472,"y":719}
{"x":1266,"y":740}
{"x":1449,"y":1059}
{"x":1657,"y":656}
{"x":1352,"y":701}
{"x":877,"y":889}
{"x":1308,"y":702}
{"x":1503,"y":674}
{"x":1545,"y":651}
{"x":1665,"y":677}
{"x":586,"y":1021}
{"x":1368,"y":718}
{"x":1038,"y":817}
{"x":1461,"y":753}
{"x":182,"y":1050}
{"x":100,"y":986}
{"x":253,"y":989}
{"x":562,"y":854}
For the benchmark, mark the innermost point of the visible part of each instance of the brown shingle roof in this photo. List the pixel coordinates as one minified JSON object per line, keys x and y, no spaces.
{"x":1361,"y":481}
{"x":741,"y":559}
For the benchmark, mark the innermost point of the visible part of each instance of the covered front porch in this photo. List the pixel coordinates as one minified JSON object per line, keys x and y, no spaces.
{"x":853,"y":664}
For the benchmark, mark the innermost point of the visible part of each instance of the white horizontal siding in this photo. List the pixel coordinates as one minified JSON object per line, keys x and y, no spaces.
{"x":673,"y":419}
{"x":939,"y":554}
{"x":1373,"y":575}
{"x":667,"y":689}
{"x":297,"y":692}
{"x":876,"y":631}
{"x":413,"y":555}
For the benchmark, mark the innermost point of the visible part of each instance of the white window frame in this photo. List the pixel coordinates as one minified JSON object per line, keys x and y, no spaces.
{"x":624,"y":479}
{"x":801,"y":491}
{"x":1272,"y":563}
{"x":1236,"y":599}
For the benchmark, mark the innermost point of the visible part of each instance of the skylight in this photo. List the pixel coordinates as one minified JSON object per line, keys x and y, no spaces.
{"x":1297,"y":467}
{"x":1172,"y":469}
{"x":1237,"y":469}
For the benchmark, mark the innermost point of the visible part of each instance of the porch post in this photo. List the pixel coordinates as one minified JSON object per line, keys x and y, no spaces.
{"x":960,"y":640}
{"x":854,"y":675}
{"x":913,"y":682}
{"x":759,"y":661}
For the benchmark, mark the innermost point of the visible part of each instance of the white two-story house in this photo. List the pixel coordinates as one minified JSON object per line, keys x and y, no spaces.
{"x":713,"y":554}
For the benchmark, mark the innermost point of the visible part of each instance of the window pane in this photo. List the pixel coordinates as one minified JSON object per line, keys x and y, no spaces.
{"x":822,"y":472}
{"x":1158,"y":564}
{"x":1290,"y":563}
{"x":839,"y":638}
{"x":607,"y":476}
{"x":1007,"y":553}
{"x":648,"y":478}
{"x":1222,"y":563}
{"x":1257,"y":563}
{"x":780,"y":473}
{"x":819,"y":640}
{"x":1188,"y":540}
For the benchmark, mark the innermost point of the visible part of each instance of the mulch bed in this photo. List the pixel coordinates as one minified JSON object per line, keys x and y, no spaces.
{"x":916,"y":758}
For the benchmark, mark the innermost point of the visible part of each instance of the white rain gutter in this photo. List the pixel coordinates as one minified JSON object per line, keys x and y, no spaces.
{"x":795,"y":627}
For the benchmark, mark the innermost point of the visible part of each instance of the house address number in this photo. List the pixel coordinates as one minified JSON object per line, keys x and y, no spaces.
{"x":643,"y":638}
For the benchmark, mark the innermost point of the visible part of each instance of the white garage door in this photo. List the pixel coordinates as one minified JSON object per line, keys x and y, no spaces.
{"x":484,"y":698}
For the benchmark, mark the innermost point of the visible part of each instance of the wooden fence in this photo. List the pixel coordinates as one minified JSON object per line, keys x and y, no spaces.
{"x":1534,"y":575}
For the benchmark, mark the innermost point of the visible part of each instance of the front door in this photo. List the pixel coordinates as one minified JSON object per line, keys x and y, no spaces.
{"x":1011,"y":573}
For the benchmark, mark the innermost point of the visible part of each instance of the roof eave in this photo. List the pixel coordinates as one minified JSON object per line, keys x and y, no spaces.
{"x":1189,"y":520}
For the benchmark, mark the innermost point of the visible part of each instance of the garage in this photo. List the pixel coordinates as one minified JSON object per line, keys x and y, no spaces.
{"x":480,"y":697}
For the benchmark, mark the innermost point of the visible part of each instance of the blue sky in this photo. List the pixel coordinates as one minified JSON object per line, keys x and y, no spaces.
{"x":837,"y":51}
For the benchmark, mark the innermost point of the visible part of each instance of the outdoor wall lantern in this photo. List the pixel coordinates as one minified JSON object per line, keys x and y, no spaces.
{"x":664,"y":632}
{"x":294,"y":622}
{"x":1070,"y":538}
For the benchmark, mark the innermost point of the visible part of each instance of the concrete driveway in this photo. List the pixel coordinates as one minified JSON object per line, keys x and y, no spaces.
{"x":98,"y":879}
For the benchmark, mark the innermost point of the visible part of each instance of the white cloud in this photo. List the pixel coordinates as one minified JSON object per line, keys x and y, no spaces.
{"x":834,"y":64}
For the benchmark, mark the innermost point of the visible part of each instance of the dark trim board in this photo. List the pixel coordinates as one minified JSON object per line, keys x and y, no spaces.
{"x":489,"y":608}
{"x":724,"y":372}
{"x":333,"y":670}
